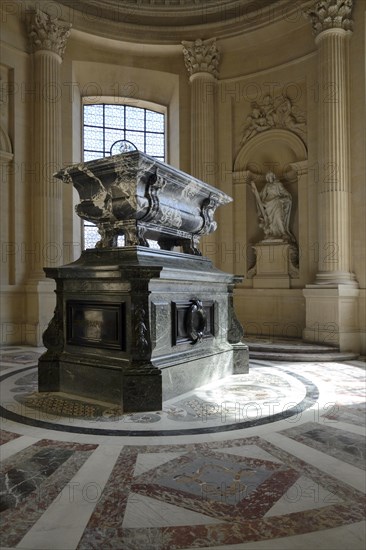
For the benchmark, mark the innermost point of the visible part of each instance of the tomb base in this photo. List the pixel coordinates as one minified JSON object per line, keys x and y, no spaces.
{"x":135,"y":326}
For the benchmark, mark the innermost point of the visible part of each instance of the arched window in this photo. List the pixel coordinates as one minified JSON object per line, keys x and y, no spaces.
{"x":110,"y":128}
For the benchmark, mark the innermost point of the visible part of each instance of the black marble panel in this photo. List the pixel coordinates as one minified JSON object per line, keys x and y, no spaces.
{"x":96,"y":324}
{"x":17,"y":483}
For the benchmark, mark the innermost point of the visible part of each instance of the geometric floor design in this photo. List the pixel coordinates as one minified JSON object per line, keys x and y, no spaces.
{"x":287,"y":482}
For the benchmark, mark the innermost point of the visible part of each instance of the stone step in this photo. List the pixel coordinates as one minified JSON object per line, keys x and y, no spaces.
{"x":291,"y":349}
{"x":304,"y":357}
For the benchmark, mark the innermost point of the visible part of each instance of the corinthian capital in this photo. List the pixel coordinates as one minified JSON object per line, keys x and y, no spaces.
{"x":201,"y":56}
{"x":46,"y":33}
{"x":331,"y":14}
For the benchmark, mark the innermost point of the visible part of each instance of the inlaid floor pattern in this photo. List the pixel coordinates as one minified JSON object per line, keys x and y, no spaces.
{"x":273,"y":459}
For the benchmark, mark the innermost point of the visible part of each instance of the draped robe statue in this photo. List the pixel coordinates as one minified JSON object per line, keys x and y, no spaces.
{"x":274,"y":209}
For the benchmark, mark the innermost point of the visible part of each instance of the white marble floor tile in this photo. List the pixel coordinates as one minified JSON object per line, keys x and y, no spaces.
{"x":148,"y":461}
{"x":305,"y":494}
{"x":63,"y":523}
{"x":142,"y":511}
{"x":332,"y":466}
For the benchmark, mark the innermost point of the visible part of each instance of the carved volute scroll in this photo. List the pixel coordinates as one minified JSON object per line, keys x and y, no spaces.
{"x":47,"y":33}
{"x":201,"y":56}
{"x":208,"y":208}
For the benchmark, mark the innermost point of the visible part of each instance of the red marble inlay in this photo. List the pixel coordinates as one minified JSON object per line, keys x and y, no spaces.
{"x":7,"y":436}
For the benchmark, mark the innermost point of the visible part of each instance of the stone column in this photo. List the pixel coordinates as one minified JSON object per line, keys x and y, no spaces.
{"x":48,"y":39}
{"x":201,"y":58}
{"x":332,"y":26}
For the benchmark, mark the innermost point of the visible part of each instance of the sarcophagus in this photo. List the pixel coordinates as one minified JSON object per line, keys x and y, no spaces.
{"x":133,"y":324}
{"x":141,"y":198}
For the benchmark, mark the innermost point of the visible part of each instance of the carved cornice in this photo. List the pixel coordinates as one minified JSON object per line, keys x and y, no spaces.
{"x":274,"y":112}
{"x":48,"y":33}
{"x":201,"y":56}
{"x":331,"y":14}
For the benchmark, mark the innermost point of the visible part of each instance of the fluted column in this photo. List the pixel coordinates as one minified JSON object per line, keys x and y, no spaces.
{"x":332,"y":302}
{"x":48,"y":40}
{"x":332,"y":28}
{"x":201,"y":59}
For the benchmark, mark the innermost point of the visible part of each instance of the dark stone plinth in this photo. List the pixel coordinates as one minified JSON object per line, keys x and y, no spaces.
{"x":133,"y":326}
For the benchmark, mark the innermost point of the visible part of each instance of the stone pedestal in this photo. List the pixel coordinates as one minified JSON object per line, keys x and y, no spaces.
{"x":273,"y":264}
{"x":332,"y":317}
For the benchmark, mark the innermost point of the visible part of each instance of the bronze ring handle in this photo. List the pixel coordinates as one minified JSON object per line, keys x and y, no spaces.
{"x":196,"y":321}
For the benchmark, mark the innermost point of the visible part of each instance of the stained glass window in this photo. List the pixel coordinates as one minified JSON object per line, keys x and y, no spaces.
{"x":106,"y":124}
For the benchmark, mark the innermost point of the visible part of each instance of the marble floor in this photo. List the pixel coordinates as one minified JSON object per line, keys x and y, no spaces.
{"x":274,"y":459}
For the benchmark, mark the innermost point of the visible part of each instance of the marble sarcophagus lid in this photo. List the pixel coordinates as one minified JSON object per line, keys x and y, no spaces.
{"x":135,"y":325}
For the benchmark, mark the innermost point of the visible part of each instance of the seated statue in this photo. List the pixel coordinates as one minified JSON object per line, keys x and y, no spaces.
{"x":274,"y":209}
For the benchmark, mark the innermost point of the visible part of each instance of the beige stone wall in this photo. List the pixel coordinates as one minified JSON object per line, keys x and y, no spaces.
{"x":262,"y":67}
{"x":15,"y":119}
{"x":278,"y":58}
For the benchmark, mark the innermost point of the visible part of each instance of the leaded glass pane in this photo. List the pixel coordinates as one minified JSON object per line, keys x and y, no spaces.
{"x":93,"y":138}
{"x":137,"y":139}
{"x":92,"y":155}
{"x":91,"y":236}
{"x":135,"y":118}
{"x":154,"y":122}
{"x":93,"y":115}
{"x":121,"y":240}
{"x":106,"y":124}
{"x":111,"y":136}
{"x":155,"y":144}
{"x":114,"y":116}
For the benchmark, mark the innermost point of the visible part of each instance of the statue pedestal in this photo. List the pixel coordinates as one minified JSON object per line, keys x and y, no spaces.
{"x":273,"y":266}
